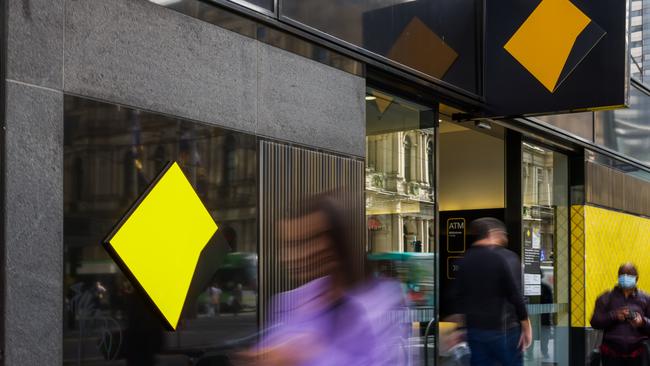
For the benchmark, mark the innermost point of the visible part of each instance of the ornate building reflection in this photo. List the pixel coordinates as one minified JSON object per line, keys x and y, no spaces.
{"x":399,"y":176}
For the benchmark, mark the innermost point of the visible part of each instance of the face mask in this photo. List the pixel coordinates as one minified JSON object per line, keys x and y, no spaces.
{"x":627,"y":281}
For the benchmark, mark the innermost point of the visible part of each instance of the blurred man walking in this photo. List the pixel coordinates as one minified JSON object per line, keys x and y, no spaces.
{"x":487,"y":288}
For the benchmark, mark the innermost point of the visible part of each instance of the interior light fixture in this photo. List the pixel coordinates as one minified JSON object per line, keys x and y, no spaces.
{"x":370,"y":97}
{"x":165,"y":2}
{"x":483,"y":125}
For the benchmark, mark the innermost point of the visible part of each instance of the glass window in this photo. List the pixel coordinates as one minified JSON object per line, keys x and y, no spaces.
{"x":578,"y":124}
{"x":400,"y":205}
{"x":626,"y":130}
{"x":545,"y":252}
{"x":111,"y":155}
{"x":639,"y":50}
{"x":437,"y":38}
{"x":264,"y":6}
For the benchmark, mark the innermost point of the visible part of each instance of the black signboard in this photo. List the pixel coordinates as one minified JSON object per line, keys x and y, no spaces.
{"x":452,"y":249}
{"x":531,"y":256}
{"x":453,"y":266}
{"x":549,"y":56}
{"x":456,"y":238}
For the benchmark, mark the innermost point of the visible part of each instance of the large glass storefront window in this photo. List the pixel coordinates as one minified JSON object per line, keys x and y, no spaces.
{"x":400,"y":205}
{"x":625,"y":130}
{"x":111,"y":155}
{"x":545,"y":252}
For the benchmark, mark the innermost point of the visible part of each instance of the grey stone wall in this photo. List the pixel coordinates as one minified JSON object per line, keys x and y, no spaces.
{"x":142,"y":55}
{"x":137,"y":53}
{"x":34,"y":183}
{"x":34,"y":225}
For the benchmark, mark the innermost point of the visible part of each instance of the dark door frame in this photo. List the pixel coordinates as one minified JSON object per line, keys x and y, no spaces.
{"x":513,"y":214}
{"x":3,"y":170}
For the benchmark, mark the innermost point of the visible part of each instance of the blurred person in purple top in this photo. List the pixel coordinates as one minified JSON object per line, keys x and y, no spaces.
{"x":334,"y":318}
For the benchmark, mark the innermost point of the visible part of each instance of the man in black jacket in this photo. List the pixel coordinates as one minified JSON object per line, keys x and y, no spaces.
{"x":487,"y":287}
{"x":622,"y":315}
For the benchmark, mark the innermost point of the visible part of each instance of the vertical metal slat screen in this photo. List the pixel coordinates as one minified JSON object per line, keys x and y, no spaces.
{"x":288,"y":174}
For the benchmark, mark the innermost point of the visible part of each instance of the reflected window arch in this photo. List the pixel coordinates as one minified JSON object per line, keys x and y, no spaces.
{"x":430,"y":165}
{"x":408,"y":151}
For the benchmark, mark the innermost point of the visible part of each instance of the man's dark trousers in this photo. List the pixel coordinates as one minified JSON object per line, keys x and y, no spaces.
{"x":494,"y":347}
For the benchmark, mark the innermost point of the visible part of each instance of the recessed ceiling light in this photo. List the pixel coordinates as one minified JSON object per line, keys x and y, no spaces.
{"x":165,"y":2}
{"x":484,"y":125}
{"x":370,"y":97}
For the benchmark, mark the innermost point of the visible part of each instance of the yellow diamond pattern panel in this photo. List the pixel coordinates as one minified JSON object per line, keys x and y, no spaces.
{"x":613,"y":238}
{"x":544,"y":41}
{"x":161,"y":240}
{"x":577,"y":266}
{"x":562,"y":267}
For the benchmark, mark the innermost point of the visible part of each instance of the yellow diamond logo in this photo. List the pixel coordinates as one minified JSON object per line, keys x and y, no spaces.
{"x":553,"y":41}
{"x":159,"y":242}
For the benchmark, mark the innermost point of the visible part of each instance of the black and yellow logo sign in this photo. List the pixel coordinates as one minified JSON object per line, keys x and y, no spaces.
{"x":159,"y":242}
{"x":553,"y":41}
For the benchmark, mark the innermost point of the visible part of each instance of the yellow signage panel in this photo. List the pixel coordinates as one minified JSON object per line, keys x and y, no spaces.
{"x":158,"y":243}
{"x":543,"y":42}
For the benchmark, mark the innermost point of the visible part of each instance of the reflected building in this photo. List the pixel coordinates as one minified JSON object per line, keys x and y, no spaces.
{"x":399,"y":191}
{"x":639,"y":31}
{"x":112,"y":155}
{"x":399,"y":176}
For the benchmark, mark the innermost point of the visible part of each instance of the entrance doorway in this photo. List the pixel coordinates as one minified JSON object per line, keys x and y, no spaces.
{"x":471,"y":186}
{"x":486,"y":170}
{"x":400,"y":209}
{"x":545,"y":251}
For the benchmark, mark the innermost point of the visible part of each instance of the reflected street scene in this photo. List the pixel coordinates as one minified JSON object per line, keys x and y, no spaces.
{"x":112,"y":154}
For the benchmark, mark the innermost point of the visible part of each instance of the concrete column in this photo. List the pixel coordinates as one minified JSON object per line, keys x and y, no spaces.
{"x":419,"y":235}
{"x":425,"y":160}
{"x":397,"y":140}
{"x":399,"y":154}
{"x":422,"y":149}
{"x":398,"y":233}
{"x":425,"y":236}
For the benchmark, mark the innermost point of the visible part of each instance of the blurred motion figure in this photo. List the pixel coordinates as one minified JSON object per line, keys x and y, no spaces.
{"x":333,"y":318}
{"x":489,"y":296}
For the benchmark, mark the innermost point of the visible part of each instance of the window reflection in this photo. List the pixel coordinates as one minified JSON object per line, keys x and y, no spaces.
{"x":111,"y":155}
{"x":639,"y":25}
{"x":625,"y":130}
{"x":400,"y":207}
{"x":545,"y":216}
{"x":258,"y":5}
{"x":410,"y":32}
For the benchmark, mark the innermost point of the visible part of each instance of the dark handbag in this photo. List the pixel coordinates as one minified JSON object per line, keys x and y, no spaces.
{"x":595,"y":358}
{"x":646,"y":353}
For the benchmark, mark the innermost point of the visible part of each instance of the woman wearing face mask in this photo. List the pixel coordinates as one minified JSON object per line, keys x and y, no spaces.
{"x":622,"y":314}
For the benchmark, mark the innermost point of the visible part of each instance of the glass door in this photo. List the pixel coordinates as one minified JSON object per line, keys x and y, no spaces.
{"x":545,"y":252}
{"x":400,"y":210}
